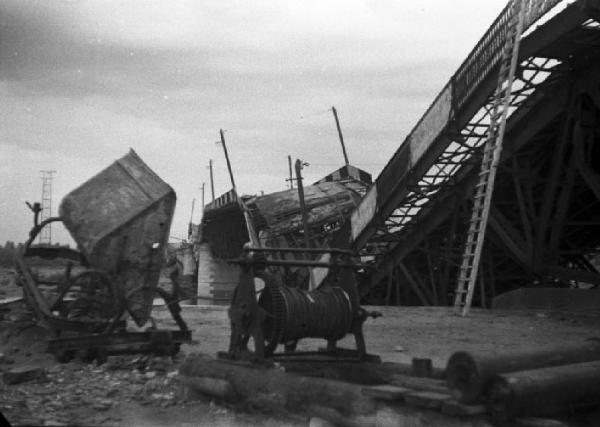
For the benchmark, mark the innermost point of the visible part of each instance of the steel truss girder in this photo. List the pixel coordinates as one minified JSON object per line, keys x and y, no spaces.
{"x":397,"y":193}
{"x":434,"y":214}
{"x":466,"y":147}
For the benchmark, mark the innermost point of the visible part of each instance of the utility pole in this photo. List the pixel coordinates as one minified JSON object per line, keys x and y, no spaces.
{"x":291,"y":178}
{"x":190,"y":225}
{"x":203,"y":199}
{"x":46,"y":233}
{"x":192,"y":214}
{"x":227,"y":160}
{"x":339,"y":129}
{"x":299,"y":165}
{"x":212,"y":183}
{"x":249,"y":226}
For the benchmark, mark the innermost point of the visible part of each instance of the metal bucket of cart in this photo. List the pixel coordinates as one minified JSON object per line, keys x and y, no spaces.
{"x":120,"y":220}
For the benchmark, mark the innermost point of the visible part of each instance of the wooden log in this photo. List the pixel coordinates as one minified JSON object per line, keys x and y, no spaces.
{"x":388,"y":416}
{"x":211,"y":386}
{"x":294,"y":392}
{"x":426,"y":399}
{"x":468,"y":373}
{"x":422,"y":367}
{"x":366,"y":373}
{"x":538,"y":422}
{"x":23,"y":374}
{"x":338,"y":402}
{"x":545,"y":391}
{"x":453,"y":407}
{"x":387,"y":392}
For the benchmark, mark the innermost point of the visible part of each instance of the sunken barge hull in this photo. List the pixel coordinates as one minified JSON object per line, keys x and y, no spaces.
{"x":277,"y":219}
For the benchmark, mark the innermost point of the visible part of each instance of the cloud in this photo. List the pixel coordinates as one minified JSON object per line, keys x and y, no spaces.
{"x":82,"y":81}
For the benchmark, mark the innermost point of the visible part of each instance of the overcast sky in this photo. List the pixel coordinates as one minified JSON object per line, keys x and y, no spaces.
{"x":83,"y":81}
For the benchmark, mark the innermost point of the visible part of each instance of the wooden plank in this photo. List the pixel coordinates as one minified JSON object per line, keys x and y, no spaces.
{"x":10,"y":300}
{"x":421,"y":383}
{"x":426,"y":399}
{"x":455,"y":408}
{"x":538,"y":422}
{"x":387,"y":392}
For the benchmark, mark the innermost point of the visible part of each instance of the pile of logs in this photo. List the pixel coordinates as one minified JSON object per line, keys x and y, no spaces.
{"x":509,"y":386}
{"x":544,"y":382}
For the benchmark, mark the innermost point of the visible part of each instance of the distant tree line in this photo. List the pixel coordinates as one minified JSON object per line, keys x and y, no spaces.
{"x":10,"y":249}
{"x":7,"y":253}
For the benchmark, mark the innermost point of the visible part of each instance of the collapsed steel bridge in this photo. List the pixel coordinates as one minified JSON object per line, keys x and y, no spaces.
{"x":544,"y":222}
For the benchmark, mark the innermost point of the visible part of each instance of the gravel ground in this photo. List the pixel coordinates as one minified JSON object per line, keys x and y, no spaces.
{"x":433,"y":332}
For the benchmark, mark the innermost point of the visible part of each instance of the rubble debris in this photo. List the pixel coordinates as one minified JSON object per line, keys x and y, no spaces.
{"x":5,"y":360}
{"x":78,"y":394}
{"x":23,"y":374}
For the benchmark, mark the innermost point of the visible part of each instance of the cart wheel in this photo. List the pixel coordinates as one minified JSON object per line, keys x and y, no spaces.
{"x":96,"y":299}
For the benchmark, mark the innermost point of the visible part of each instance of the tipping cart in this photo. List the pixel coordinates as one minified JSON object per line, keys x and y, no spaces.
{"x":120,"y":220}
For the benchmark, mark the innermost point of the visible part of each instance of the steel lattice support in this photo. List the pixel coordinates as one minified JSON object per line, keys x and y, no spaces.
{"x":416,"y":207}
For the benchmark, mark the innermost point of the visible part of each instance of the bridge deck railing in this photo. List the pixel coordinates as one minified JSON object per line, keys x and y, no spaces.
{"x":465,"y":82}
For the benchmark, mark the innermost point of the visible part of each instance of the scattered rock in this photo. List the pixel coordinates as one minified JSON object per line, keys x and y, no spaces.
{"x":6,"y":360}
{"x":53,"y":423}
{"x":167,"y":396}
{"x":399,"y":348}
{"x":29,"y":421}
{"x":23,"y":374}
{"x":160,"y":364}
{"x":55,"y":369}
{"x":319,"y":422}
{"x":102,"y":405}
{"x":112,"y":392}
{"x":116,"y":363}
